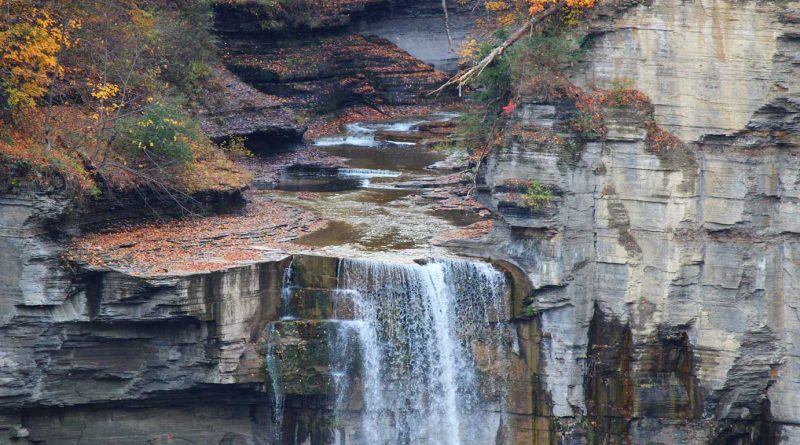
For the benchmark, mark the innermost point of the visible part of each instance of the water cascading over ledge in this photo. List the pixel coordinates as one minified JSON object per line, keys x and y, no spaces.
{"x":372,"y":352}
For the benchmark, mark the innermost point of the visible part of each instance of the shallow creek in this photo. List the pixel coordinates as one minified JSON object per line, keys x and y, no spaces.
{"x":370,"y":206}
{"x":399,"y":342}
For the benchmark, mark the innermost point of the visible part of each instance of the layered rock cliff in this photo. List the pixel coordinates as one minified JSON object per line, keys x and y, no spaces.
{"x":96,"y":356}
{"x":665,"y":277}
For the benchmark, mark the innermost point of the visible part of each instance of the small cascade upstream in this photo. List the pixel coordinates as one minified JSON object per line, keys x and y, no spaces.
{"x":362,"y":134}
{"x":402,"y":345}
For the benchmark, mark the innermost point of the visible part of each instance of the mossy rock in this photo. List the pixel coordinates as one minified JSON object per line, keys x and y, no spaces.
{"x":316,"y":272}
{"x":301,"y":351}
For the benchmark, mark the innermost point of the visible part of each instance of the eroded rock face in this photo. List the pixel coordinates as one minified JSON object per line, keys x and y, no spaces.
{"x":326,"y":73}
{"x":663,"y":286}
{"x":233,"y":108}
{"x":706,"y":65}
{"x":121,"y":351}
{"x":664,"y":282}
{"x":419,"y":28}
{"x":321,"y":57}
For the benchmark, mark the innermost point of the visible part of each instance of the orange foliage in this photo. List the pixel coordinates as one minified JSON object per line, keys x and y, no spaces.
{"x":197,"y":243}
{"x":572,"y":6}
{"x":23,"y":158}
{"x":535,"y":6}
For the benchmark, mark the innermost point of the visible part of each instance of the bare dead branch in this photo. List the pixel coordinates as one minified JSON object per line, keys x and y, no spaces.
{"x":447,"y":25}
{"x":466,"y":76}
{"x":48,"y":143}
{"x":172,"y":192}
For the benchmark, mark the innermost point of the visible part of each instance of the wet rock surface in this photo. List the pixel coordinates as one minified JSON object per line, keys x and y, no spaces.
{"x":157,"y":320}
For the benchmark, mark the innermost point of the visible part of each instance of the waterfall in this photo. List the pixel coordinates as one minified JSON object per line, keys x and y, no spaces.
{"x":272,"y":361}
{"x":411,"y":337}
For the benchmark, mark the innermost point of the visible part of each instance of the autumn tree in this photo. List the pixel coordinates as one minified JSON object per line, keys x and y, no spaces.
{"x":32,"y":41}
{"x":109,"y":86}
{"x":531,"y":13}
{"x":517,"y":43}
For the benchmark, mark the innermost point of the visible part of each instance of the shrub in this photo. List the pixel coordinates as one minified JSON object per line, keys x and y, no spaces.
{"x":534,"y":63}
{"x":236,"y":148}
{"x":619,"y":91}
{"x":537,"y":196}
{"x":163,"y":135}
{"x":531,"y":312}
{"x":539,"y":62}
{"x":584,"y":123}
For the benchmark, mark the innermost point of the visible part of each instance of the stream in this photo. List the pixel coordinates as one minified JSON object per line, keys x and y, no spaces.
{"x":371,"y":202}
{"x":408,"y":350}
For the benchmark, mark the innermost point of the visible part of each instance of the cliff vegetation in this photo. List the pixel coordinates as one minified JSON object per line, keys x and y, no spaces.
{"x":98,"y":96}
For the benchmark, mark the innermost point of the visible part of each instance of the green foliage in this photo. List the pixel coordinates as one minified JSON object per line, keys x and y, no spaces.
{"x":546,"y":54}
{"x":492,"y":89}
{"x":236,"y":147}
{"x":589,"y":429}
{"x":449,"y":146}
{"x":531,"y":312}
{"x":532,"y":63}
{"x":77,"y":88}
{"x":540,"y":62}
{"x":537,"y":196}
{"x":494,"y":84}
{"x":619,"y":91}
{"x":164,"y":135}
{"x":583,"y":122}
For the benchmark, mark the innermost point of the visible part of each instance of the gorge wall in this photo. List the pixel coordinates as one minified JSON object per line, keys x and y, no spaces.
{"x":664,"y":279}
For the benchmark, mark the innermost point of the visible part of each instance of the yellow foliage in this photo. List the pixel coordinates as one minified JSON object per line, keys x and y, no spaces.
{"x":28,"y":59}
{"x":534,"y":6}
{"x":469,"y":50}
{"x":537,"y":6}
{"x":105,"y":91}
{"x":507,"y":13}
{"x":496,"y":6}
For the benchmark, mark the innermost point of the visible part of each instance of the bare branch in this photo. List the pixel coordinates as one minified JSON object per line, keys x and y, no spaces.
{"x":447,"y":25}
{"x":466,"y":76}
{"x":172,"y":192}
{"x":48,"y":143}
